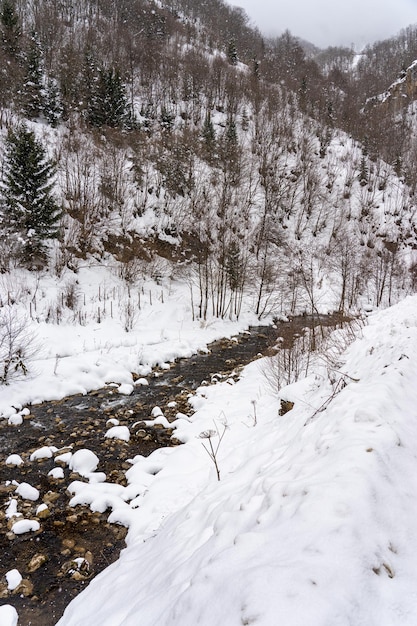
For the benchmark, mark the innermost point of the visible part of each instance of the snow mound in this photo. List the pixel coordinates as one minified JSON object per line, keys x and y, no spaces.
{"x":46,"y":452}
{"x":14,"y":459}
{"x":8,"y":615}
{"x":27,"y":492}
{"x":125,"y":389}
{"x":14,"y":578}
{"x":25,"y":526}
{"x":83,"y":462}
{"x":118,"y":432}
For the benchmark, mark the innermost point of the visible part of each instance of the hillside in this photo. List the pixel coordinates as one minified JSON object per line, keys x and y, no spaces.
{"x":170,"y":177}
{"x":229,"y":161}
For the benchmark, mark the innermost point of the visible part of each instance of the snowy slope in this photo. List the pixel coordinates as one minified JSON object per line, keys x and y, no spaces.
{"x":313,"y":521}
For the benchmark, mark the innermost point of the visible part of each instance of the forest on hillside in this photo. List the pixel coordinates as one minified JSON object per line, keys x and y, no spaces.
{"x":176,"y":139}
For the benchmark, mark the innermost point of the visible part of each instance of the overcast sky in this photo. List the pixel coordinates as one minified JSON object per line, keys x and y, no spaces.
{"x":332,"y":22}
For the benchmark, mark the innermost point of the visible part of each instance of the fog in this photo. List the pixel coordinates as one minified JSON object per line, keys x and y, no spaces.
{"x":332,"y":22}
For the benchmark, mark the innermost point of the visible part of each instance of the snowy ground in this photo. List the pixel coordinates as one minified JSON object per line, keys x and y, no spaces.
{"x":72,"y":357}
{"x":313,"y":520}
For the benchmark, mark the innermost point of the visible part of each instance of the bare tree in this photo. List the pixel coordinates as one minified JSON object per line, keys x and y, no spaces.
{"x":17,"y":344}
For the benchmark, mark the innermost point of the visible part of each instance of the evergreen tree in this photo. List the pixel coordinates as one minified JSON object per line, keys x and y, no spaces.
{"x":30,"y":211}
{"x":209,"y":135}
{"x":209,"y":138}
{"x":10,"y":31}
{"x":33,"y":92}
{"x":363,"y":171}
{"x":53,"y":108}
{"x":107,"y":104}
{"x":232,"y":52}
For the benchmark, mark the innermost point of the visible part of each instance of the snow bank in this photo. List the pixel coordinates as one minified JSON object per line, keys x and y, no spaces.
{"x":313,"y":521}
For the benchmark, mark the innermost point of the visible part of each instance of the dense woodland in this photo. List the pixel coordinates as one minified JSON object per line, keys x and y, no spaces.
{"x":174,"y":138}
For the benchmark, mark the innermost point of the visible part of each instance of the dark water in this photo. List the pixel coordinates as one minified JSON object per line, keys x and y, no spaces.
{"x":80,"y":422}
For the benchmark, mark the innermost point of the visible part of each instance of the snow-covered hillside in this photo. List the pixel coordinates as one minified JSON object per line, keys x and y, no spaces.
{"x":313,"y":521}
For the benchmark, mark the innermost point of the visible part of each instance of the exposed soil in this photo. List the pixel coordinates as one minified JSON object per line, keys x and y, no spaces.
{"x":74,"y":544}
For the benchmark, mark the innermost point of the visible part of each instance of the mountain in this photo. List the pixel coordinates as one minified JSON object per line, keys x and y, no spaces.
{"x":170,"y":177}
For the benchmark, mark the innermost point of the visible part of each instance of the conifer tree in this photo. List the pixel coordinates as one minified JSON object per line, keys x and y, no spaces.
{"x":33,"y":92}
{"x":209,"y":138}
{"x":107,"y":104}
{"x":53,"y":108}
{"x":10,"y":27}
{"x":30,"y":210}
{"x":232,"y":52}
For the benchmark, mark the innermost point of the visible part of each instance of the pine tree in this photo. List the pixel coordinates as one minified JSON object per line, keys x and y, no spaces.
{"x":208,"y":130}
{"x":10,"y":26}
{"x":33,"y":92}
{"x":53,"y":108}
{"x":232,"y":52}
{"x":363,"y":171}
{"x":107,"y":104}
{"x":30,"y":213}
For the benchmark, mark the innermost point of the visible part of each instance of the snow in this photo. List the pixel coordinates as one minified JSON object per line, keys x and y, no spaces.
{"x":25,"y":526}
{"x":141,"y":381}
{"x":11,"y":510}
{"x":125,"y":389}
{"x":84,"y":462}
{"x":27,"y":492}
{"x":14,"y":459}
{"x":72,"y":358}
{"x":8,"y":615}
{"x":313,"y":520}
{"x":46,"y":452}
{"x":56,"y":472}
{"x":64,"y":458}
{"x":14,"y":578}
{"x":118,"y":432}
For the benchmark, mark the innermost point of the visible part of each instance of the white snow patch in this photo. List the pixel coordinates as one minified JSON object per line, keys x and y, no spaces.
{"x":46,"y":452}
{"x":303,"y":524}
{"x":11,"y":510}
{"x":56,"y":472}
{"x":14,"y":459}
{"x":14,"y":578}
{"x":25,"y":526}
{"x":141,"y":381}
{"x":27,"y":492}
{"x":118,"y":432}
{"x":83,"y":462}
{"x":8,"y":615}
{"x":125,"y":389}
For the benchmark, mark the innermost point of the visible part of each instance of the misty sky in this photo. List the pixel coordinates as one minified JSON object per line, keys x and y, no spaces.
{"x":332,"y":22}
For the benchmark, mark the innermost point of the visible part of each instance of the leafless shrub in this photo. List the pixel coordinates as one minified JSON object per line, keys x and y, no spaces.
{"x":311,"y":349}
{"x":132,"y":270}
{"x":71,"y":295}
{"x":288,"y":365}
{"x":17,"y":345}
{"x":129,"y":314}
{"x":54,"y":313}
{"x":159,"y":269}
{"x":335,"y":344}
